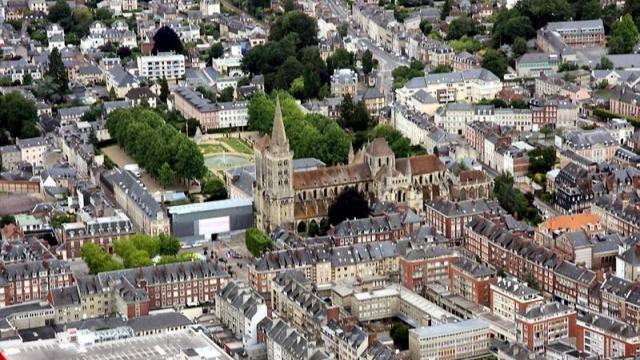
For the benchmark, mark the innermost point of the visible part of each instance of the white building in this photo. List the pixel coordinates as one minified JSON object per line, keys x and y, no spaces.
{"x":32,"y":150}
{"x":460,"y":340}
{"x":465,"y":86}
{"x":240,"y":308}
{"x":164,"y":65}
{"x":209,"y":7}
{"x":454,"y":117}
{"x":411,"y":124}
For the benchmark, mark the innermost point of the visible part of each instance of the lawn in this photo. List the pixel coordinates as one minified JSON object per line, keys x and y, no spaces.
{"x":237,"y":145}
{"x":211,"y":148}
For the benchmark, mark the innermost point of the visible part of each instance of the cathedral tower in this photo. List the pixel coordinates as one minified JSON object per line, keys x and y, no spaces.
{"x":273,"y":193}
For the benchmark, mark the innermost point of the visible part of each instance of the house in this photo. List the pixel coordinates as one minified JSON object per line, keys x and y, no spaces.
{"x":121,"y":81}
{"x":343,"y":82}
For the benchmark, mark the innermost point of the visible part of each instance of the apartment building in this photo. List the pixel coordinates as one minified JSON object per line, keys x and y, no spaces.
{"x":450,"y":218}
{"x":509,"y":297}
{"x":164,"y":65}
{"x":466,"y":86}
{"x":191,"y":104}
{"x":471,"y":280}
{"x":574,"y":285}
{"x":458,"y":340}
{"x":32,"y":150}
{"x":421,"y":263}
{"x":140,"y":206}
{"x":294,"y":300}
{"x":556,"y":86}
{"x":511,"y":251}
{"x":31,"y":281}
{"x":240,"y":309}
{"x":138,"y":291}
{"x":103,"y":231}
{"x":412,"y":124}
{"x":375,"y":228}
{"x":543,"y":324}
{"x":596,"y":145}
{"x":351,"y":342}
{"x":286,"y":343}
{"x":454,"y":117}
{"x":618,"y":212}
{"x":554,"y":113}
{"x":343,"y":82}
{"x":625,"y":101}
{"x":606,"y":337}
{"x":323,"y":267}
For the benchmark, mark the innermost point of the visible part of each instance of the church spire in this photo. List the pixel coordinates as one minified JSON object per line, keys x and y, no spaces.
{"x":278,"y":135}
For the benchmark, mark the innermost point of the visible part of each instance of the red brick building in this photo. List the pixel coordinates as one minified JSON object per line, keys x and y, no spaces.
{"x":543,"y":324}
{"x":609,"y":338}
{"x":450,"y":218}
{"x":511,"y":252}
{"x":471,"y":280}
{"x":31,"y":281}
{"x":574,"y":284}
{"x":421,"y":264}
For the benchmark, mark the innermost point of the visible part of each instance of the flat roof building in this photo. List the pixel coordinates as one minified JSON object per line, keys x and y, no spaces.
{"x":460,"y":340}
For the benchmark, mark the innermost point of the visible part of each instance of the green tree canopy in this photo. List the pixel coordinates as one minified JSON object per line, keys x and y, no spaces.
{"x":426,"y":27}
{"x":542,"y":159}
{"x":257,"y":242}
{"x":166,"y":40}
{"x":367,"y":62}
{"x":304,"y":26}
{"x":18,"y":116}
{"x":400,"y":335}
{"x":624,"y":37}
{"x":349,"y":204}
{"x":462,"y":26}
{"x":605,"y":64}
{"x":216,"y":50}
{"x":97,"y":259}
{"x":495,"y":62}
{"x":57,"y":71}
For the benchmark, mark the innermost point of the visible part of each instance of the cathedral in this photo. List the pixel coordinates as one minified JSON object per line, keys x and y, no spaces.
{"x":284,"y":198}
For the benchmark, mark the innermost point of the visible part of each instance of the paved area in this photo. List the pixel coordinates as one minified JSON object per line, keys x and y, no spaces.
{"x":234,"y":243}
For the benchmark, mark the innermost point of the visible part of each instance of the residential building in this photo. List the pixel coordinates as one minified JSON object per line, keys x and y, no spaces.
{"x":556,"y":86}
{"x":165,"y":65}
{"x":31,"y":281}
{"x":509,"y":297}
{"x":596,"y":145}
{"x":343,"y":82}
{"x":574,"y":285}
{"x":240,"y":309}
{"x":450,"y":218}
{"x":413,"y":125}
{"x":192,"y":104}
{"x":454,"y":117}
{"x":543,"y":324}
{"x":606,"y":337}
{"x":466,"y":86}
{"x":573,"y":34}
{"x":422,"y":263}
{"x":471,"y":280}
{"x":140,"y":206}
{"x":121,"y":81}
{"x":32,"y":150}
{"x":103,"y":231}
{"x":286,"y":343}
{"x":618,"y":212}
{"x":458,"y":340}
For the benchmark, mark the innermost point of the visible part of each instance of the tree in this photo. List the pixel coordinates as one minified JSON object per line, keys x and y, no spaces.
{"x":367,"y":62}
{"x":168,"y":244}
{"x":509,"y":25}
{"x":97,"y":259}
{"x":216,"y":50}
{"x":304,"y":26}
{"x":213,"y":188}
{"x":514,"y":201}
{"x":343,"y":29}
{"x":495,"y":62}
{"x":587,"y":9}
{"x":542,"y":12}
{"x":346,"y":111}
{"x":605,"y":64}
{"x":460,"y":27}
{"x":257,"y":242}
{"x":400,"y":335}
{"x":400,"y":145}
{"x":60,"y":12}
{"x":227,"y":94}
{"x":164,"y":90}
{"x":123,"y":52}
{"x":18,"y":116}
{"x":624,"y":36}
{"x":57,"y":220}
{"x":442,"y":68}
{"x":166,"y":175}
{"x":361,"y":118}
{"x":542,"y":159}
{"x":610,"y":14}
{"x":349,"y":204}
{"x":312,"y":82}
{"x":567,"y":66}
{"x":112,"y":93}
{"x":6,"y":220}
{"x":519,"y":46}
{"x":426,"y":27}
{"x":57,"y":71}
{"x":446,"y":9}
{"x":27,"y":79}
{"x":340,"y":59}
{"x":166,"y":40}
{"x":81,"y":19}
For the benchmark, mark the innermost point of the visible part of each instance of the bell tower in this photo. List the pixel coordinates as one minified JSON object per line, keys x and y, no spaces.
{"x":273,"y":192}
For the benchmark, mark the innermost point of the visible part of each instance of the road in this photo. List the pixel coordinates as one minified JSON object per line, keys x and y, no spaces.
{"x":239,"y":11}
{"x":387,"y":62}
{"x":544,"y":208}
